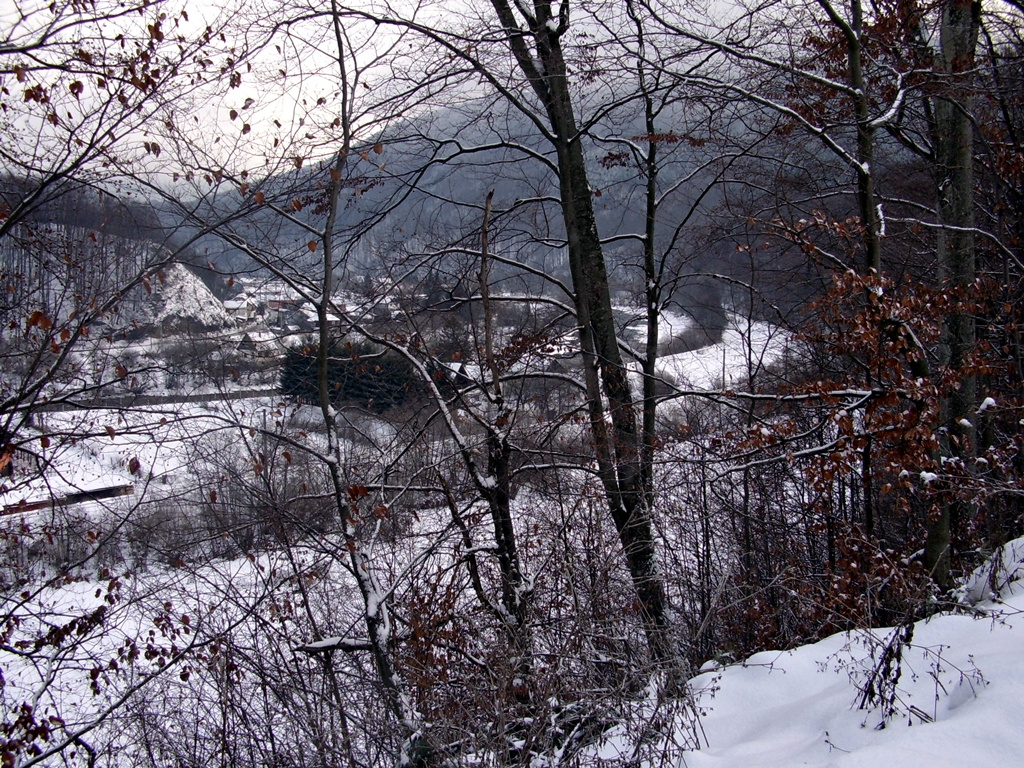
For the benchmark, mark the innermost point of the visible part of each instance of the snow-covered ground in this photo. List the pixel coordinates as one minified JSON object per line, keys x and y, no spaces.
{"x":177,"y":297}
{"x":163,"y":450}
{"x":958,"y":700}
{"x":747,"y":347}
{"x":744,"y":351}
{"x":143,"y":447}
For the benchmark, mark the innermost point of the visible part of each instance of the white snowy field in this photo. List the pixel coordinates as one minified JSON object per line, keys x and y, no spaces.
{"x":159,"y":450}
{"x":745,"y":350}
{"x":144,"y":447}
{"x":958,"y":701}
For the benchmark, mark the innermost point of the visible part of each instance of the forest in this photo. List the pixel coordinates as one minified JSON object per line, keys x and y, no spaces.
{"x":396,"y":382}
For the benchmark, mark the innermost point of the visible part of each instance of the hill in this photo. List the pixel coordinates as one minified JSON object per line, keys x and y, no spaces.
{"x":947,"y":691}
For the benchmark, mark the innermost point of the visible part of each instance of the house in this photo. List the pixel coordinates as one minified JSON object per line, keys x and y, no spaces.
{"x":242,"y":309}
{"x":277,"y":311}
{"x":261,"y":344}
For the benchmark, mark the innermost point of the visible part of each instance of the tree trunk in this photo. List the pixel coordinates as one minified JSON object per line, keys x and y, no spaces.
{"x":499,"y":494}
{"x":617,"y":445}
{"x":869,"y":212}
{"x":953,"y":136}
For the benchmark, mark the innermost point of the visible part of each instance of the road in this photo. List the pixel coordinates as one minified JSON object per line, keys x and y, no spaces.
{"x":136,"y":401}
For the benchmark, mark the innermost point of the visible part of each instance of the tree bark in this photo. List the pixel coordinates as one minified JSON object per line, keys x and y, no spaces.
{"x":499,"y":495}
{"x":953,"y":137}
{"x":618,"y":444}
{"x":869,"y":211}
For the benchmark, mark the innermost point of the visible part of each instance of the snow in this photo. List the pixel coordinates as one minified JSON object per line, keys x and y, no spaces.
{"x":162,"y":439}
{"x":672,"y":325}
{"x":965,"y":672}
{"x":330,"y":642}
{"x":73,"y":469}
{"x":177,"y":299}
{"x":959,"y":699}
{"x":745,"y":350}
{"x":334,"y":644}
{"x":959,"y":702}
{"x":64,"y":686}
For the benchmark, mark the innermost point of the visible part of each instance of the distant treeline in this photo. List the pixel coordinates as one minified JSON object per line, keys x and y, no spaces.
{"x":104,"y":214}
{"x":78,"y":206}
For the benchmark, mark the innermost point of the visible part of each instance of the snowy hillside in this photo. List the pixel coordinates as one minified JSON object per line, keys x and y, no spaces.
{"x":174,"y":302}
{"x":958,"y":699}
{"x":746,"y":349}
